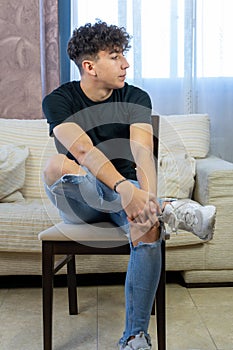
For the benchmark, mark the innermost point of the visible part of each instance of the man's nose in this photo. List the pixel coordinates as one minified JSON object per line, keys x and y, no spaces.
{"x":125,"y":63}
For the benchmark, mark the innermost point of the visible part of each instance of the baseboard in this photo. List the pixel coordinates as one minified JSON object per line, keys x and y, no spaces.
{"x":116,"y":278}
{"x":100,"y":279}
{"x":61,"y":280}
{"x":208,"y":285}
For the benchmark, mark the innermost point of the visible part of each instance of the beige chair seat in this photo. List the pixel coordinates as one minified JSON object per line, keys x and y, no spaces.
{"x":103,"y":234}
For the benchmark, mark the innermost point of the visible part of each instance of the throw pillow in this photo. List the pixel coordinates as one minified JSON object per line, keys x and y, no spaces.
{"x":191,"y":130}
{"x":12,"y":171}
{"x":176,"y":173}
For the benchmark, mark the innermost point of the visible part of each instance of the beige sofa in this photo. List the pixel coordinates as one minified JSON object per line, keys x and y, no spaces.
{"x":185,"y":169}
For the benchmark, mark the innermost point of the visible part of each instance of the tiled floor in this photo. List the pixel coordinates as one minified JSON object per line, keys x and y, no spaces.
{"x":197,"y":319}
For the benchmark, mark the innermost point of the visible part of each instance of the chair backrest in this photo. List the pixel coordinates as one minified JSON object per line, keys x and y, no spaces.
{"x":155,"y":124}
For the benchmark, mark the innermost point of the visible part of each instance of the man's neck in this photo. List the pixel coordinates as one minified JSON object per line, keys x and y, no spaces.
{"x":95,"y":94}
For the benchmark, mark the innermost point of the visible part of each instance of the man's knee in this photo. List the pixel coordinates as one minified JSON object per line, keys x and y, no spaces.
{"x":54,"y":168}
{"x":151,"y":236}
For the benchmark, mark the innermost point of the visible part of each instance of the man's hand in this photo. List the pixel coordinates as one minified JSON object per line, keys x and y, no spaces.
{"x":133,"y":199}
{"x":148,"y":217}
{"x":140,"y":206}
{"x":145,"y":227}
{"x":142,"y":210}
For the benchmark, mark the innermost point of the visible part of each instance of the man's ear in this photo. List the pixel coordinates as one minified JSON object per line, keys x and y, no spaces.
{"x":88,"y":66}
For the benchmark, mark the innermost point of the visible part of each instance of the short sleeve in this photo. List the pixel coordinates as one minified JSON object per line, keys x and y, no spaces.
{"x":140,"y":107}
{"x":57,"y":107}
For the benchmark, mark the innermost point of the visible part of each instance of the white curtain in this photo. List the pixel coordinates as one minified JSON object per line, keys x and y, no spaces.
{"x":181,"y":54}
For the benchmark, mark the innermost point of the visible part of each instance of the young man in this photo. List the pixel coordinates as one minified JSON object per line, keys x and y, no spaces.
{"x":105,"y":169}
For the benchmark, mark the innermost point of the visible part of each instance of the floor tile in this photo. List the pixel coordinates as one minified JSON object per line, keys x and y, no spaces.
{"x":215,"y":306}
{"x":197,"y":319}
{"x":177,"y":296}
{"x":20,"y":320}
{"x":219,"y":322}
{"x":3,"y":294}
{"x":186,"y":330}
{"x":74,"y":332}
{"x":212,"y":296}
{"x":111,"y":316}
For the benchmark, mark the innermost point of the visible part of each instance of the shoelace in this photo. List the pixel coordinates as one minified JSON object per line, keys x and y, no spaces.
{"x":187,"y":217}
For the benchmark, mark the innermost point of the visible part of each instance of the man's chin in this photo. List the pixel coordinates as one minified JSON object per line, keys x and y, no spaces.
{"x":119,"y":85}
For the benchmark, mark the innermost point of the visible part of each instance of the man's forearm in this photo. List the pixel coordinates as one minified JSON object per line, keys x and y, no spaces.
{"x":146,"y":173}
{"x":81,"y":147}
{"x":101,"y":167}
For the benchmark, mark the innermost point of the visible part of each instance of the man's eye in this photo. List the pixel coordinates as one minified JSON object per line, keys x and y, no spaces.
{"x":115,"y":57}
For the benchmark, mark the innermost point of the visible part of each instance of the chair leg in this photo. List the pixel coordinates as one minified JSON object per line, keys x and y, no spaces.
{"x":153,"y":308}
{"x":72,"y":287}
{"x":47,"y":286}
{"x":161,"y":304}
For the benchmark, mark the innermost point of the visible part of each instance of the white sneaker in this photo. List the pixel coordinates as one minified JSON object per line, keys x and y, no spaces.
{"x":140,"y":342}
{"x":190,"y":216}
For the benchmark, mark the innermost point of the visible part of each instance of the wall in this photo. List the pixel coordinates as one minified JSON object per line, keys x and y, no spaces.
{"x":20,"y":76}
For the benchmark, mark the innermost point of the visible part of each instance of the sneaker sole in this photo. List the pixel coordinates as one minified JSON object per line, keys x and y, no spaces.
{"x":212,"y":220}
{"x":209,"y":229}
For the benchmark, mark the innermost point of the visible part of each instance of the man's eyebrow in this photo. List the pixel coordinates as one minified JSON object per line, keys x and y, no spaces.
{"x":115,"y":51}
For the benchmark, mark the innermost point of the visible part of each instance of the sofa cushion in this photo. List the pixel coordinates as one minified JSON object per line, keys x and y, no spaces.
{"x":176,"y":173}
{"x":22,"y":222}
{"x":191,"y":131}
{"x":35,"y":135}
{"x":181,"y":138}
{"x":12,"y":172}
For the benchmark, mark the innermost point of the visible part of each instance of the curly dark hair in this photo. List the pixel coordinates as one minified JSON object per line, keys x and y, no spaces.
{"x":89,"y":39}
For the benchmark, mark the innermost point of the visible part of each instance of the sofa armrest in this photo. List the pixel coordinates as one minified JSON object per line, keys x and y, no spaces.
{"x":214,"y":182}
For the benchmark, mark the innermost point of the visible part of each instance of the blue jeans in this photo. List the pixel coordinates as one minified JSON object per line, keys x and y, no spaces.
{"x":85,"y":199}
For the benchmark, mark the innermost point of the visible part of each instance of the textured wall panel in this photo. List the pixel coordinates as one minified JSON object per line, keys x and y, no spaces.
{"x":20,"y":74}
{"x":49,"y":45}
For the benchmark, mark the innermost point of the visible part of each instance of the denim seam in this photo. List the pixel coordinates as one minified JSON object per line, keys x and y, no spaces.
{"x":151,"y":244}
{"x":131,"y":302}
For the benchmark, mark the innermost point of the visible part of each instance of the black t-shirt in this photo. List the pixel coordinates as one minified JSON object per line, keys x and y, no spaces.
{"x":106,"y":123}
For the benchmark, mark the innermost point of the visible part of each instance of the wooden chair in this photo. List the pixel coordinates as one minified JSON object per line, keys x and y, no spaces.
{"x":100,"y":239}
{"x":72,"y":240}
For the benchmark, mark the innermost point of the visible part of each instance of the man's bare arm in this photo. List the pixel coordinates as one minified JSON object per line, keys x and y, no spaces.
{"x":142,"y":146}
{"x":81,"y":147}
